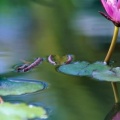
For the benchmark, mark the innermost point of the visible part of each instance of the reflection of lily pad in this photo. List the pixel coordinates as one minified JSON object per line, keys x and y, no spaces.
{"x":82,"y":68}
{"x":108,"y":75}
{"x":20,"y":86}
{"x":21,"y":111}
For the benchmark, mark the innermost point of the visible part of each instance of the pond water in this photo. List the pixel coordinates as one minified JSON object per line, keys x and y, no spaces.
{"x":39,"y":28}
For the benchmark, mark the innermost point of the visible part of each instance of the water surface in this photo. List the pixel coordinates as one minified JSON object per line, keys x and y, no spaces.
{"x":32,"y":29}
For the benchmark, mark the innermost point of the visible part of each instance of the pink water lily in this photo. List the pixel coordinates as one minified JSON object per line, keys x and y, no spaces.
{"x":112,"y":8}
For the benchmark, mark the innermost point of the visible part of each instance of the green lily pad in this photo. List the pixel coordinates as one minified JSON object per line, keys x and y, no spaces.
{"x":112,"y":75}
{"x":82,"y":68}
{"x":21,"y":111}
{"x":20,"y":86}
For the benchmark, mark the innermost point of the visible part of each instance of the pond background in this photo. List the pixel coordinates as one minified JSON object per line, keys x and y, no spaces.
{"x":38,"y":28}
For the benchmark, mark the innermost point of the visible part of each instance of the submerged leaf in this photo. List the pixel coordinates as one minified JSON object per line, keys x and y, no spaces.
{"x":21,"y":111}
{"x":20,"y":86}
{"x":82,"y":68}
{"x":108,"y":75}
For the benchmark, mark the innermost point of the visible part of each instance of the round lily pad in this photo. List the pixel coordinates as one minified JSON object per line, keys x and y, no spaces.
{"x":112,"y":75}
{"x":21,"y":111}
{"x":82,"y":68}
{"x":20,"y":86}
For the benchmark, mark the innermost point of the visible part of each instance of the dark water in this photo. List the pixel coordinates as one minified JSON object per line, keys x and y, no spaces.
{"x":39,"y":28}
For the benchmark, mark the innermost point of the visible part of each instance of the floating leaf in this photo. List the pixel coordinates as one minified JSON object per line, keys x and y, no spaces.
{"x":20,"y":86}
{"x":21,"y":111}
{"x":82,"y":68}
{"x":114,"y":114}
{"x":108,"y":75}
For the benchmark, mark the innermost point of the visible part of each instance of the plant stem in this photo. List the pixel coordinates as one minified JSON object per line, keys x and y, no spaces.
{"x":107,"y":58}
{"x":112,"y":46}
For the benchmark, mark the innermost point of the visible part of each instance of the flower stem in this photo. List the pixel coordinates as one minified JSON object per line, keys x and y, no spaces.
{"x":107,"y":58}
{"x":112,"y":46}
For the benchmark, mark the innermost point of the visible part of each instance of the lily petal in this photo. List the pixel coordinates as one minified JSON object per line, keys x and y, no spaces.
{"x":108,"y":8}
{"x":113,"y":2}
{"x":112,"y":8}
{"x":118,"y":4}
{"x":105,"y":15}
{"x":116,"y":16}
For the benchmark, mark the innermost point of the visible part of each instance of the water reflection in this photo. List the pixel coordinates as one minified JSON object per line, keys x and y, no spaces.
{"x":70,"y":98}
{"x":86,"y":23}
{"x":48,"y":3}
{"x":16,"y":27}
{"x":114,"y":114}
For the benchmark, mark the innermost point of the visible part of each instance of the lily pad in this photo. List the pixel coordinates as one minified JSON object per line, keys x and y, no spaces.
{"x":21,"y":111}
{"x":112,"y":75}
{"x":20,"y":86}
{"x":82,"y":68}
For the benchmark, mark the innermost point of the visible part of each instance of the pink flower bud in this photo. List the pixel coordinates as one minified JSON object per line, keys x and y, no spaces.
{"x":112,"y":8}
